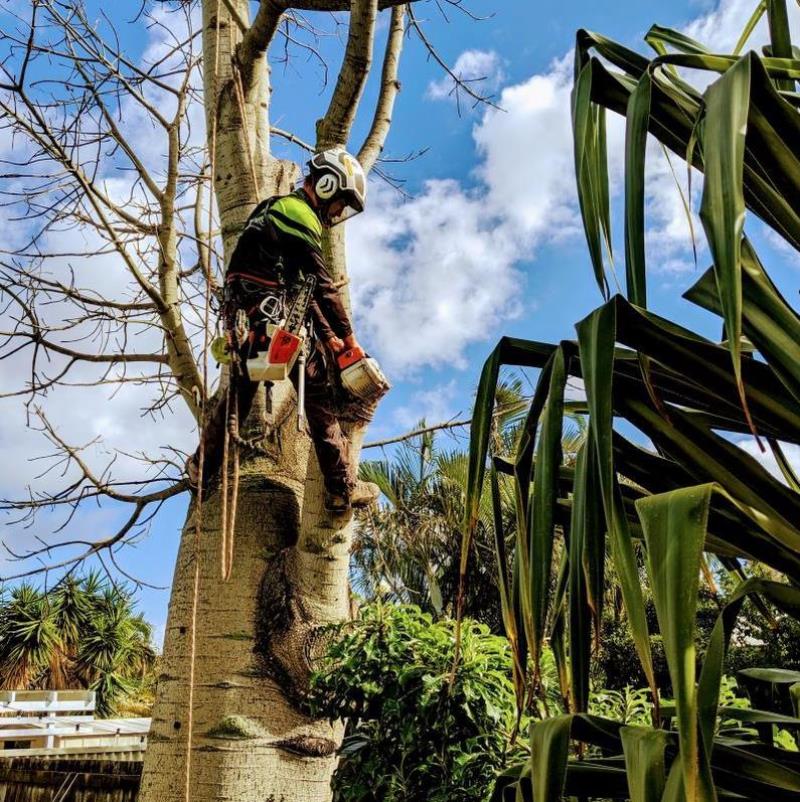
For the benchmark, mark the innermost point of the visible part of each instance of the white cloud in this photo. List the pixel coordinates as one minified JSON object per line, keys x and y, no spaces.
{"x":767,"y":458}
{"x":788,"y":252}
{"x":438,"y":272}
{"x":526,"y":152}
{"x":430,"y":275}
{"x":721,"y":28}
{"x":435,"y":273}
{"x":481,"y":70}
{"x":668,"y":233}
{"x":434,"y":405}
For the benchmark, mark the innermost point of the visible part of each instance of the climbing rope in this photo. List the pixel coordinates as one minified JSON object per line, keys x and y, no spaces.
{"x":233,"y":428}
{"x":230,"y":453}
{"x":230,"y":458}
{"x":201,"y":458}
{"x":232,"y":438}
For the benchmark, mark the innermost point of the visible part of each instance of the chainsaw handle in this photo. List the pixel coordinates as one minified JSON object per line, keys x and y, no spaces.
{"x":349,"y":357}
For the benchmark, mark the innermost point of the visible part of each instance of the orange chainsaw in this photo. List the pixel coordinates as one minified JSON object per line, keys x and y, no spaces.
{"x":361,"y":375}
{"x":286,"y":340}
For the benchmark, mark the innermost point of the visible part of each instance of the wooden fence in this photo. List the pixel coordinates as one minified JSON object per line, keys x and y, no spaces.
{"x":30,"y":779}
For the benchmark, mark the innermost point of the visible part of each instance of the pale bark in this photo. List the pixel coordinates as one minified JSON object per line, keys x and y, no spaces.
{"x":251,"y":644}
{"x":390,"y":87}
{"x":334,"y":128}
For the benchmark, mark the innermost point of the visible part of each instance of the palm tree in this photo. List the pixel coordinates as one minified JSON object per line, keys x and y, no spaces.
{"x":81,"y":634}
{"x":409,"y":549}
{"x":31,"y":646}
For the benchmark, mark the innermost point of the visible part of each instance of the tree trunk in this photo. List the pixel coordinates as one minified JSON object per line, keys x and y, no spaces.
{"x":228,"y":721}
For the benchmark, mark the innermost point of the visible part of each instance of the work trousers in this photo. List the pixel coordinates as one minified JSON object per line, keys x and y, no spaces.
{"x":330,"y":444}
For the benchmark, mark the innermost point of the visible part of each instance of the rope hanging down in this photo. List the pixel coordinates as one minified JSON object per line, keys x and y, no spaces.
{"x":201,"y":457}
{"x":232,"y":440}
{"x":229,"y":501}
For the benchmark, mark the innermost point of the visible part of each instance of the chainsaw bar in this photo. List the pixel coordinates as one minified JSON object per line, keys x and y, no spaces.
{"x":297,"y":314}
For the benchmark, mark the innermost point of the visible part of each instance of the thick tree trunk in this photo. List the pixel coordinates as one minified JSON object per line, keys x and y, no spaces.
{"x":249,"y":740}
{"x":237,"y":731}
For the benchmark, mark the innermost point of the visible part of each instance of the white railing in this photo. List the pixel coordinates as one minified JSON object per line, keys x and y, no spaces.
{"x":61,"y":720}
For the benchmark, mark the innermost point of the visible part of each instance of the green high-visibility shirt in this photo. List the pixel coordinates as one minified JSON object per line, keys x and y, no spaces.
{"x":287,"y":228}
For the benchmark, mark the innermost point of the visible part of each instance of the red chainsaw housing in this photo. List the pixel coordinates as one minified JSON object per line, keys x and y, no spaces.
{"x":349,"y":357}
{"x":283,"y":347}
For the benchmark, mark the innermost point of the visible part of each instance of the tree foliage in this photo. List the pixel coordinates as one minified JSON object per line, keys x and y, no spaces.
{"x":81,"y":634}
{"x":407,"y":550}
{"x":417,"y":732}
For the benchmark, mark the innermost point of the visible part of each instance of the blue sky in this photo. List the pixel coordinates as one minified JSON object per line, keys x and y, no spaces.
{"x":489,"y":241}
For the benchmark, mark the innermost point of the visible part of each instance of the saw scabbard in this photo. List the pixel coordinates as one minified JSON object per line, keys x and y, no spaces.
{"x":285,"y":337}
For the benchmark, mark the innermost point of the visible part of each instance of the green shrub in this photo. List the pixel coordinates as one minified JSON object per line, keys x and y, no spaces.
{"x":617,"y":665}
{"x":760,"y":643}
{"x":415,"y":732}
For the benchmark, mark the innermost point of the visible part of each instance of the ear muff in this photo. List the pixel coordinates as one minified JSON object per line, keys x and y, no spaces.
{"x":326,"y":186}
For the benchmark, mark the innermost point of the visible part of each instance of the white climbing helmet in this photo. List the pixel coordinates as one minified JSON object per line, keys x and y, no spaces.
{"x":336,"y":175}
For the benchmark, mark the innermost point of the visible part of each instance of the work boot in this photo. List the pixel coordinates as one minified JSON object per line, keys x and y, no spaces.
{"x":361,"y":495}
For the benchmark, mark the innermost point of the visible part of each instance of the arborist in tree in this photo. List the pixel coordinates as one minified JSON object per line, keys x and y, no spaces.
{"x":284,"y":318}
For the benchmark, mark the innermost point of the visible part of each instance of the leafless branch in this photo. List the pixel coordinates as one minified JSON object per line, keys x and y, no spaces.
{"x":390,"y":86}
{"x":334,"y":127}
{"x":400,"y":438}
{"x":295,"y":140}
{"x":257,"y":39}
{"x":500,"y":411}
{"x":460,"y":84}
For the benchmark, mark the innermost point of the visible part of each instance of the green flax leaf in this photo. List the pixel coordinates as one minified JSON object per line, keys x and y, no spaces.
{"x":588,"y":172}
{"x":722,"y":209}
{"x":674,"y":527}
{"x":545,"y":498}
{"x":596,"y":338}
{"x":579,"y":610}
{"x":780,"y":36}
{"x":638,"y":115}
{"x":550,"y":747}
{"x":518,"y":647}
{"x":767,"y":319}
{"x":658,"y":37}
{"x":749,"y":27}
{"x":644,"y":760}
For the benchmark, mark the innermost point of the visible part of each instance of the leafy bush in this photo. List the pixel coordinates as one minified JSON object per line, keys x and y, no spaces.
{"x":617,"y":664}
{"x":628,"y":706}
{"x":416,"y":732}
{"x":760,"y":643}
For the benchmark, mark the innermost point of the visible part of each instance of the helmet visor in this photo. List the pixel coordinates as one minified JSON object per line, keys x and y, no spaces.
{"x":345,"y":213}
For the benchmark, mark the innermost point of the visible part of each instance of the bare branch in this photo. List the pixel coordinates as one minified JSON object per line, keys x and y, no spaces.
{"x":80,"y":297}
{"x":334,"y":127}
{"x":291,"y":138}
{"x":500,"y":411}
{"x":340,"y":5}
{"x":400,"y":438}
{"x":257,"y":39}
{"x":38,"y":339}
{"x":88,"y":486}
{"x":390,"y":86}
{"x":459,"y":83}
